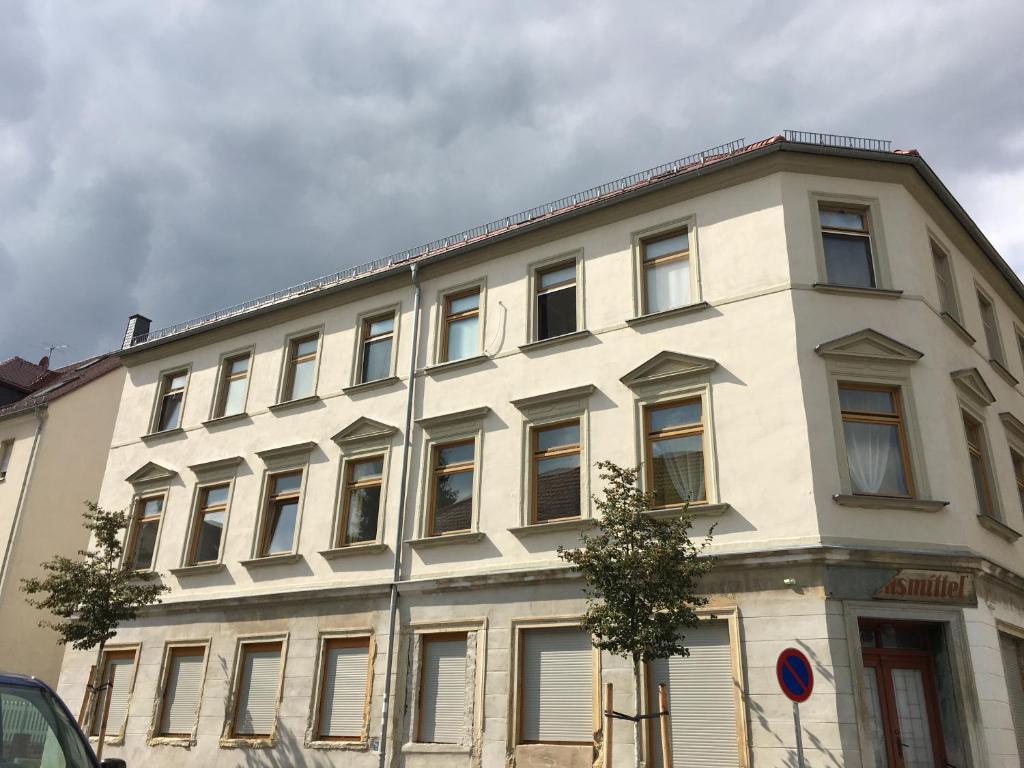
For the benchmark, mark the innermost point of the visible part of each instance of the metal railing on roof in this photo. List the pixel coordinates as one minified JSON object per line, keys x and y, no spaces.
{"x":453,"y":241}
{"x":835,"y":140}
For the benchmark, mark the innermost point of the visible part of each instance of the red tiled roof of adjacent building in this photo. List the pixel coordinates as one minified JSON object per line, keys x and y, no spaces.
{"x":21,"y":374}
{"x":42,"y":385}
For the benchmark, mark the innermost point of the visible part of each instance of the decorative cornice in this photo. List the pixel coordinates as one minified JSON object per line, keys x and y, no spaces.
{"x":469,"y":415}
{"x":972,"y":383}
{"x":364,"y":429}
{"x":286,"y":451}
{"x":217,"y":465}
{"x":151,"y":472}
{"x":668,"y":367}
{"x":869,"y":344}
{"x":1013,"y":425}
{"x":575,"y":393}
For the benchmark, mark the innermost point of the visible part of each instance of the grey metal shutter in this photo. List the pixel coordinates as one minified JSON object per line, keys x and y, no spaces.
{"x":701,"y":698}
{"x":257,"y":704}
{"x":442,"y":718}
{"x":1010,"y":648}
{"x":181,"y":696}
{"x":120,"y":673}
{"x":557,"y":685}
{"x":342,"y":709}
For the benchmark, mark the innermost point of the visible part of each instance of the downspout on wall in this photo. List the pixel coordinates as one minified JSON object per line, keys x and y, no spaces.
{"x":40,"y":414}
{"x":399,"y":531}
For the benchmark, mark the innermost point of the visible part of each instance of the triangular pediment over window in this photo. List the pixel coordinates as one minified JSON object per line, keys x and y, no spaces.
{"x":151,"y":472}
{"x":668,"y":367}
{"x":970,"y":382}
{"x":364,"y":429}
{"x":869,"y":345}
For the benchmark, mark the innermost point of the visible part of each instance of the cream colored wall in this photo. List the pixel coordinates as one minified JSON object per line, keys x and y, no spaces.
{"x":21,"y":430}
{"x":68,"y":470}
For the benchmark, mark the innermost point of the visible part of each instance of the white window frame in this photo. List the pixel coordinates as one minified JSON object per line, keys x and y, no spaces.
{"x":159,"y":703}
{"x":534,"y":270}
{"x":872,"y":208}
{"x":228,"y":737}
{"x":313,"y":739}
{"x":639,"y":237}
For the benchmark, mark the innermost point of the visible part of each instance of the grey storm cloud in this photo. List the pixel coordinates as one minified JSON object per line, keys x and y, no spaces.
{"x":175,"y":158}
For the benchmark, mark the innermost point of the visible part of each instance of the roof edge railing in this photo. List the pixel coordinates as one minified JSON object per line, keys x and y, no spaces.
{"x":836,"y":140}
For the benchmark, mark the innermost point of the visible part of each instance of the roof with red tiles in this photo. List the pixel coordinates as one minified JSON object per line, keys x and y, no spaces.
{"x":49,"y":385}
{"x":22,"y":375}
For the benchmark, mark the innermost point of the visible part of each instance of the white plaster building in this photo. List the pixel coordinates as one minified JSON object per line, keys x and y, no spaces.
{"x":807,"y":336}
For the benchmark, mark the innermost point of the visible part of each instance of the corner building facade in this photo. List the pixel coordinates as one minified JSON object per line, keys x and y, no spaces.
{"x":811,"y":341}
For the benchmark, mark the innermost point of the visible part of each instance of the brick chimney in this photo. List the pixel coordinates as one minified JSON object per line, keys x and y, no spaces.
{"x":44,"y":362}
{"x":137,"y":330}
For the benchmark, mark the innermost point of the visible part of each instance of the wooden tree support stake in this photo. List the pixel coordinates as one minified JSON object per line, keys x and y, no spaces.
{"x":608,"y":726}
{"x":666,"y":726}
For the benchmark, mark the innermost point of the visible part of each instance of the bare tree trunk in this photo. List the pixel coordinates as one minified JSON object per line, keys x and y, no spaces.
{"x":638,"y":725}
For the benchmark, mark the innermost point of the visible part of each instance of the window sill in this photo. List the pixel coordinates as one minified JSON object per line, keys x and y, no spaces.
{"x":233,"y":418}
{"x":466,"y":537}
{"x":344,"y":746}
{"x":414,"y":747}
{"x":1001,"y":370}
{"x":555,"y":526}
{"x":958,"y":327}
{"x":451,"y":365}
{"x":363,"y":386}
{"x":856,"y":290}
{"x":109,"y":741}
{"x":170,"y":741}
{"x":167,"y":434}
{"x":652,"y":317}
{"x":998,"y":527}
{"x":198,"y":570}
{"x":288,"y":405}
{"x":888,"y":502}
{"x":563,"y":339}
{"x":256,"y":562}
{"x":695,"y":510}
{"x":353,"y":549}
{"x":258,"y":742}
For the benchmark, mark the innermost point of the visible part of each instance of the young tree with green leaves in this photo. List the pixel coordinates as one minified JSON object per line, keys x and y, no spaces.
{"x":642,"y":574}
{"x":91,"y":596}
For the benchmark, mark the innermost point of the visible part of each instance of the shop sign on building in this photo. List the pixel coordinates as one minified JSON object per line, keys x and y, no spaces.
{"x":950,"y":587}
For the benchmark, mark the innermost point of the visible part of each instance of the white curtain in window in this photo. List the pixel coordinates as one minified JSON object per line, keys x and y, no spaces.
{"x":686,"y":471}
{"x":868,"y":449}
{"x":668,"y":285}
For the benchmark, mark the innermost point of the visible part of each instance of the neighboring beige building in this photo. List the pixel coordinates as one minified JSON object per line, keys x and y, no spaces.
{"x":55,"y":430}
{"x":807,"y":336}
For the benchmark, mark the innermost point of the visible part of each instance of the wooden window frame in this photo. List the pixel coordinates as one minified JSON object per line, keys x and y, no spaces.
{"x":898,"y":419}
{"x":292,"y":360}
{"x":977,"y":449}
{"x":365,"y":339}
{"x":346,"y":500}
{"x":226,"y":378}
{"x":990,"y":322}
{"x":6,"y":450}
{"x":138,"y":505}
{"x":1018,"y":473}
{"x":945,"y":280}
{"x":554,"y":266}
{"x":424,"y":639}
{"x":645,"y":265}
{"x":273,"y":499}
{"x":651,"y":436}
{"x":166,"y":391}
{"x":522,"y":632}
{"x":436,"y":472}
{"x":867,"y":232}
{"x":536,"y":455}
{"x":112,"y":654}
{"x":182,"y":649}
{"x":326,"y":645}
{"x":246,"y":647}
{"x":202,"y":509}
{"x":449,"y":317}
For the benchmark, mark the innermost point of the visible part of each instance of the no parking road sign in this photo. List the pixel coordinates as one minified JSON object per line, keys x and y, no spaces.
{"x":796,"y":679}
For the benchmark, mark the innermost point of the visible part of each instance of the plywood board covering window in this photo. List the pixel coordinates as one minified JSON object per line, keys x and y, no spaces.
{"x":556,"y":680}
{"x":118,"y":670}
{"x":556,"y":472}
{"x":846,"y":240}
{"x":256,"y":692}
{"x":375,"y":354}
{"x":344,"y":682}
{"x":442,"y":690}
{"x":145,"y":527}
{"x":234,"y":385}
{"x":461,"y":325}
{"x":363,"y":478}
{"x":281,"y":513}
{"x":451,"y":497}
{"x":875,"y":437}
{"x":300,"y":368}
{"x":179,"y":707}
{"x":172,"y":398}
{"x":556,"y":300}
{"x":666,"y":271}
{"x":991,"y":327}
{"x":979,"y":464}
{"x":208,"y":528}
{"x":674,"y":448}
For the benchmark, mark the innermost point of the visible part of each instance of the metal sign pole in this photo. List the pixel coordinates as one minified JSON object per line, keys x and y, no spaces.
{"x":799,"y":738}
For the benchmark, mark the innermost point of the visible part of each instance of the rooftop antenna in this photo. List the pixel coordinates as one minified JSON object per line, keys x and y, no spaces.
{"x":50,"y":348}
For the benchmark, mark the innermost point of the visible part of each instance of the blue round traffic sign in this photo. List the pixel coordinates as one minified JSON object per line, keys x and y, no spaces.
{"x":795,"y":676}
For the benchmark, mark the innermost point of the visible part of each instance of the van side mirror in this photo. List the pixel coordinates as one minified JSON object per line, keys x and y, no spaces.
{"x":113,"y":762}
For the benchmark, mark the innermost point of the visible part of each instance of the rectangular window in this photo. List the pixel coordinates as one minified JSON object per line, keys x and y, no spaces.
{"x":208,"y":530}
{"x":451,"y":499}
{"x":876,"y":443}
{"x":991,"y":326}
{"x":1018,"y":474}
{"x":556,"y":472}
{"x":442,"y":702}
{"x":375,"y":358}
{"x":944,"y":280}
{"x":300,"y":371}
{"x":281,"y":514}
{"x":675,"y":452}
{"x":846,"y":240}
{"x":145,"y":527}
{"x":556,"y":300}
{"x":179,"y":707}
{"x":6,"y":449}
{"x":172,"y":396}
{"x":118,"y":668}
{"x":234,"y":385}
{"x":1020,"y":348}
{"x":344,"y":688}
{"x":556,"y":686}
{"x":259,"y":673}
{"x":979,"y":464}
{"x":1011,"y":649}
{"x":666,"y":268}
{"x":461,"y":325}
{"x":362,"y":501}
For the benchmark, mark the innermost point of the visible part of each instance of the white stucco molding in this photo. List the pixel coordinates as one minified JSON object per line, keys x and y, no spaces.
{"x":869,"y":345}
{"x":151,"y":473}
{"x":972,"y":384}
{"x":286,"y":452}
{"x":216,"y":467}
{"x":459,"y":418}
{"x":536,"y":403}
{"x":364,"y":430}
{"x":668,"y":367}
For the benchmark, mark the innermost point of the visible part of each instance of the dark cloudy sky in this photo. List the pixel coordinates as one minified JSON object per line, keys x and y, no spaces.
{"x":173,"y":158}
